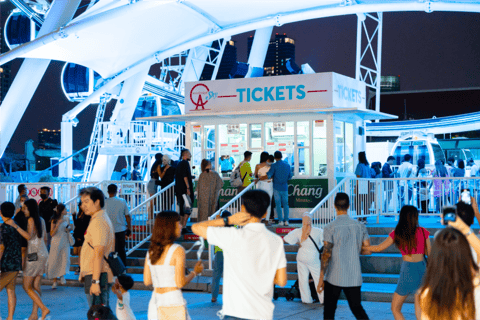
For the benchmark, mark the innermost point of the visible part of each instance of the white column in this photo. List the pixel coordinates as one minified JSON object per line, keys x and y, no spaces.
{"x":30,"y":74}
{"x":259,"y":49}
{"x":331,"y":152}
{"x":66,"y":134}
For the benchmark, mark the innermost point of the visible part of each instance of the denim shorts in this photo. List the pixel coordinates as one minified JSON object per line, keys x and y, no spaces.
{"x":411,"y":275}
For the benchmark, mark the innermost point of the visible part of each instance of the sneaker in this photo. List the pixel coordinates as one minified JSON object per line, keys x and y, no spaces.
{"x":77,"y":271}
{"x":281,"y":224}
{"x":213,"y":300}
{"x":272,"y":221}
{"x":286,"y":223}
{"x":54,"y":286}
{"x":62,"y":280}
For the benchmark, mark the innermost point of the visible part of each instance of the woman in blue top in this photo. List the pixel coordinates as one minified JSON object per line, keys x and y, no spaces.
{"x":362,"y":171}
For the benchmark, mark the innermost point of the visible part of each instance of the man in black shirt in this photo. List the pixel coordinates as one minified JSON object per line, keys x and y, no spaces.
{"x":46,"y":208}
{"x":184,"y":185}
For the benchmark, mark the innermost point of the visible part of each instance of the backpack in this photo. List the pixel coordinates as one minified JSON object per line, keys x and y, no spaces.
{"x":236,"y":179}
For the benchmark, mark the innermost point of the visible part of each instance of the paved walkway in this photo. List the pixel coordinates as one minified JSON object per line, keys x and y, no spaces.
{"x":68,"y":303}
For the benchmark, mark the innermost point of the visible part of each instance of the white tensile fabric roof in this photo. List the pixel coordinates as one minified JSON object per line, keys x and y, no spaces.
{"x":114,"y":34}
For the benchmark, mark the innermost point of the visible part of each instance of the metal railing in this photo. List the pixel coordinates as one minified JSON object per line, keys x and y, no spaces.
{"x":144,"y":214}
{"x":324,"y":212}
{"x":233,"y":206}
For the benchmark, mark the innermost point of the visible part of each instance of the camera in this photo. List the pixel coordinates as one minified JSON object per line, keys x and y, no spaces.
{"x":449,"y":214}
{"x":466,"y":196}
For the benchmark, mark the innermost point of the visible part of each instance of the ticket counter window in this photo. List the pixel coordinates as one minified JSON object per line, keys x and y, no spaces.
{"x":340,"y":145}
{"x":349,"y":147}
{"x":280,"y":136}
{"x":209,"y":144}
{"x":255,"y":144}
{"x":303,"y":143}
{"x":196,"y":151}
{"x":319,"y":148}
{"x":233,"y":140}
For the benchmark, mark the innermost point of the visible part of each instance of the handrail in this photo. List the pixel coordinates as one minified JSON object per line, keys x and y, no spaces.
{"x":213,"y":216}
{"x":61,"y":161}
{"x":327,"y":197}
{"x":76,"y":197}
{"x":154,"y":196}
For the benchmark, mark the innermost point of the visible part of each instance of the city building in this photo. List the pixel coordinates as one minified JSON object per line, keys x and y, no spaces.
{"x":229,"y":60}
{"x":389,"y":83}
{"x":279,"y":51}
{"x":48,"y":139}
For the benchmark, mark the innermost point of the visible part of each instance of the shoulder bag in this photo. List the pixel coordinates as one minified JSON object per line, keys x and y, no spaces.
{"x":425,"y":244}
{"x":114,"y":262}
{"x":320,"y":251}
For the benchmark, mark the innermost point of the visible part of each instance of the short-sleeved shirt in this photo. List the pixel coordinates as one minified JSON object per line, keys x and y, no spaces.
{"x":281,"y":172}
{"x":12,"y":254}
{"x":246,"y":171}
{"x":347,"y":236}
{"x":46,"y":209}
{"x":183,"y":170}
{"x":99,"y":233}
{"x":307,"y":252}
{"x":252,"y":256}
{"x":421,"y":234}
{"x":117,"y":209}
{"x":363,"y":171}
{"x":227,"y":164}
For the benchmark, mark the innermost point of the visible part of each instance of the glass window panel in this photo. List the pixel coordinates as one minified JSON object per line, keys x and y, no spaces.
{"x":233,"y":140}
{"x":340,"y":140}
{"x":320,"y":148}
{"x":280,"y":136}
{"x":303,"y":133}
{"x":304,"y":161}
{"x":349,"y":146}
{"x":209,"y":155}
{"x":209,"y":136}
{"x":196,"y":153}
{"x":255,"y":136}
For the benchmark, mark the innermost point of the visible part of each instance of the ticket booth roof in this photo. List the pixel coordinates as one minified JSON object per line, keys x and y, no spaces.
{"x":344,"y":114}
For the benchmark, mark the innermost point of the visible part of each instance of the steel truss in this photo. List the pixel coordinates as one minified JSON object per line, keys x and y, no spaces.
{"x":369,"y":51}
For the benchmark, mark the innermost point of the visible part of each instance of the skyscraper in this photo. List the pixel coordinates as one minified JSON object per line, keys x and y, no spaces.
{"x":279,"y":51}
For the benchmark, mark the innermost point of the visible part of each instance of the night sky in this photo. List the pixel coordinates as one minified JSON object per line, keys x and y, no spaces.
{"x":427,"y":50}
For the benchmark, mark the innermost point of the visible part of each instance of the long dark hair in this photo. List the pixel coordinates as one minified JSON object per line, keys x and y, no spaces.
{"x":164,"y":233}
{"x":406,"y":229}
{"x":58,"y":212}
{"x":264,"y":156}
{"x":362,"y":158}
{"x":460,"y":164}
{"x":32,"y":207}
{"x":447,"y":291}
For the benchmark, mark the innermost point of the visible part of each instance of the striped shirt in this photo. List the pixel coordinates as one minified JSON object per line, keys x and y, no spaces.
{"x":347,"y":236}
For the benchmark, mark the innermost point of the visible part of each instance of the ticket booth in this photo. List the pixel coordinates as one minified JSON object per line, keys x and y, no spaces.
{"x":315,"y":120}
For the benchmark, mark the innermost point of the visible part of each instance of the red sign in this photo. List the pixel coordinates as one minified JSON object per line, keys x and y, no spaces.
{"x":270,"y":143}
{"x":192,"y":237}
{"x":284,"y":230}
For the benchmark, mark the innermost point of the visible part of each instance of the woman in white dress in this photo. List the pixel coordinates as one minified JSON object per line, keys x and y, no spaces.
{"x":261,"y":170}
{"x":58,"y":264}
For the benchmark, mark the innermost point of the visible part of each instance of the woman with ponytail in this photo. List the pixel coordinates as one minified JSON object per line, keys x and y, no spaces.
{"x":164,"y":269}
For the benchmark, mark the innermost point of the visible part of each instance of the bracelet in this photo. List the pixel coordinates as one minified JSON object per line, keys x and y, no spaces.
{"x":468,"y":233}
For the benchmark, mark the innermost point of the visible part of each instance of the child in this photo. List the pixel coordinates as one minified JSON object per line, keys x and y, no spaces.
{"x":123,"y":283}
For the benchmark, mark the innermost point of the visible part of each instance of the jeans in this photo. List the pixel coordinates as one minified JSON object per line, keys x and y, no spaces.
{"x":354,"y":298}
{"x":120,"y":246}
{"x":281,"y":200}
{"x":217,"y":273}
{"x":403,"y":194}
{"x":105,"y":288}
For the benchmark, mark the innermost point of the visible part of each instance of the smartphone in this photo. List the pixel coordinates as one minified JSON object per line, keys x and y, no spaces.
{"x":449,"y":214}
{"x":466,"y":196}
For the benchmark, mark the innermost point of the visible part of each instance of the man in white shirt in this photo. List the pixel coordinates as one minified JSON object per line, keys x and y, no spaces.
{"x":406,"y":171}
{"x":310,"y":240}
{"x":117,"y":210}
{"x":254,"y":258}
{"x":474,"y":173}
{"x":450,"y":166}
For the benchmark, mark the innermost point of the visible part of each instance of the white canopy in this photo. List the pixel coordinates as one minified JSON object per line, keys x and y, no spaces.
{"x":115,"y":35}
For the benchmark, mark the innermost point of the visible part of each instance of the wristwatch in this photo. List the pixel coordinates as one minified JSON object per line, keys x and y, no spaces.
{"x":225,"y":220}
{"x":468,"y":233}
{"x":95,"y":281}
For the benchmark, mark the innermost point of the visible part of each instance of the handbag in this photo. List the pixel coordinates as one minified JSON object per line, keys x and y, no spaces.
{"x":99,"y":311}
{"x":114,"y":262}
{"x":32,"y":257}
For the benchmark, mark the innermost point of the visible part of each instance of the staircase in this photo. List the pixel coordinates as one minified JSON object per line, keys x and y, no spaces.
{"x":380,"y":271}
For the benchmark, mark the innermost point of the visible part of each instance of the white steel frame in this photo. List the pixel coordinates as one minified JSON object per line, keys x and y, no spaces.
{"x":370,"y":76}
